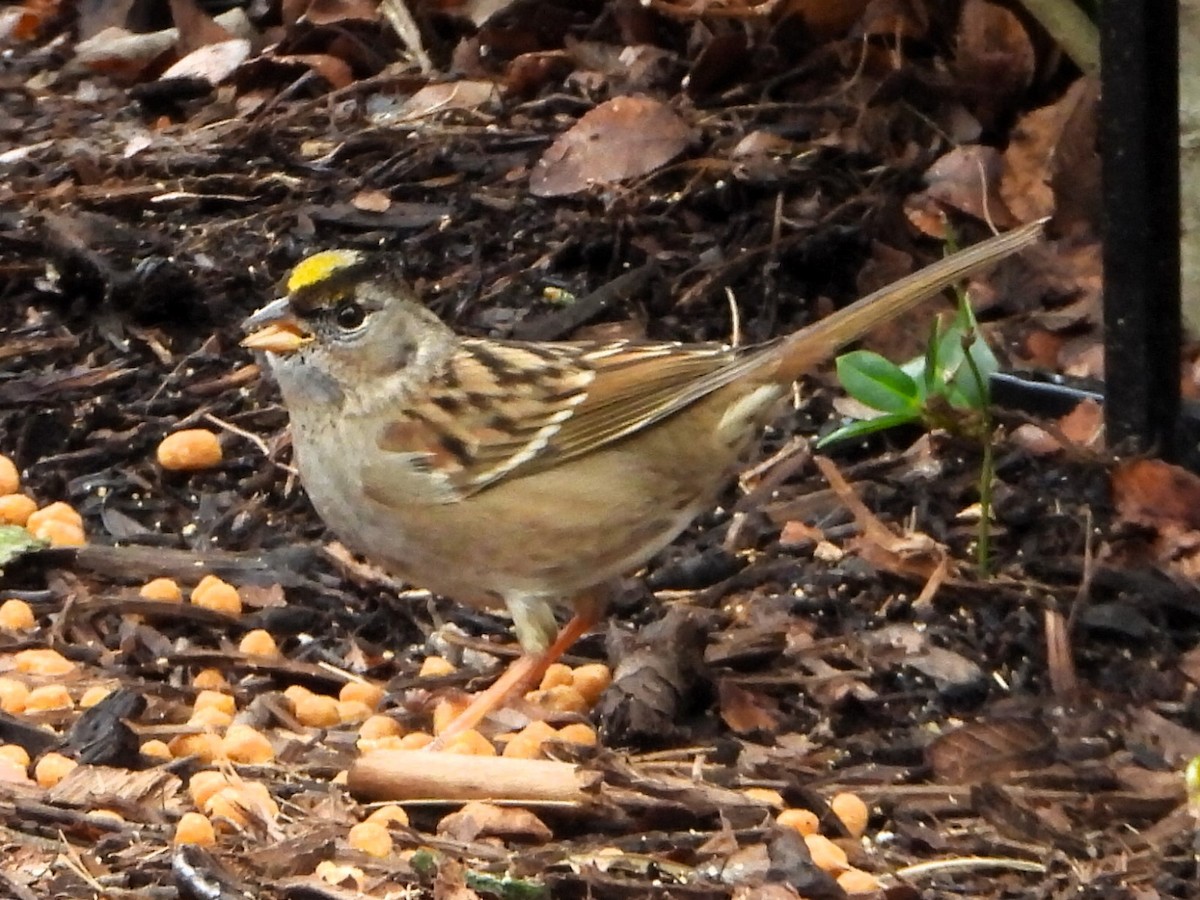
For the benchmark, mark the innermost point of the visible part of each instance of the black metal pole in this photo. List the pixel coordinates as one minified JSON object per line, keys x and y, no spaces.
{"x":1139,"y":132}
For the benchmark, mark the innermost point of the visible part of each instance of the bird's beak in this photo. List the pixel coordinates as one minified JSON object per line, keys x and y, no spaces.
{"x":276,"y":329}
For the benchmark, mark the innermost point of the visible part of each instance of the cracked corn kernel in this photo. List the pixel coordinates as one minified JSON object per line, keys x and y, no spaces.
{"x":317,"y":711}
{"x":13,"y":695}
{"x":10,"y":478}
{"x":258,"y":643}
{"x":202,"y":785}
{"x":58,"y":534}
{"x":156,"y":749}
{"x":371,"y":838}
{"x":433,"y":666}
{"x":215,"y":700}
{"x":190,"y":450}
{"x":47,"y":697}
{"x":363,"y":692}
{"x":826,"y":855}
{"x":853,"y":812}
{"x":244,"y":744}
{"x":560,"y":698}
{"x":205,"y":746}
{"x":16,"y":615}
{"x":55,"y":512}
{"x":578,"y":733}
{"x":52,"y":768}
{"x":210,"y":680}
{"x":15,"y":753}
{"x":217,"y":595}
{"x":556,"y":674}
{"x":210,"y":717}
{"x":242,"y":802}
{"x":416,"y":740}
{"x":195,"y":828}
{"x":591,"y":681}
{"x":351,"y":711}
{"x":42,"y":662}
{"x":379,"y":726}
{"x":519,"y":747}
{"x":856,"y":881}
{"x":470,"y":743}
{"x":296,"y":692}
{"x":389,"y":815}
{"x":387,"y":742}
{"x":447,"y":710}
{"x":804,"y":821}
{"x":93,"y":695}
{"x":15,"y":509}
{"x":164,"y":589}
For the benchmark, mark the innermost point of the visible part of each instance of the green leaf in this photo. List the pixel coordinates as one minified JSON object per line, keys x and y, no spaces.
{"x":864,"y":427}
{"x":16,"y":542}
{"x":878,"y":382}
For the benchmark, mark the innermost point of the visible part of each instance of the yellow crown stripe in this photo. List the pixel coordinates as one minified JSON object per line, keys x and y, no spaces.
{"x":318,"y":267}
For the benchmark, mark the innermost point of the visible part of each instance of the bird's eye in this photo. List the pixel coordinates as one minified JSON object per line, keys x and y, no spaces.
{"x":350,"y":316}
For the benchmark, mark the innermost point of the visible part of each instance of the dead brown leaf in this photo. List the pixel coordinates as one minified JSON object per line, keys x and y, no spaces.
{"x":212,"y":62}
{"x":995,"y":58}
{"x":623,"y":138}
{"x":1155,"y":493}
{"x":196,"y":28}
{"x":746,"y":712}
{"x":988,"y":750}
{"x":476,"y":820}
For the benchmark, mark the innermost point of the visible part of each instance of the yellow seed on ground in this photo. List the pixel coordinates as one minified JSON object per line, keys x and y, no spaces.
{"x":93,"y":695}
{"x":387,"y":742}
{"x":190,"y":450}
{"x":361,"y":691}
{"x":156,"y":749}
{"x":591,"y":681}
{"x":389,"y":815}
{"x":539,"y":731}
{"x":379,"y":726}
{"x":58,"y":511}
{"x":52,"y":768}
{"x":826,"y":855}
{"x":57,"y":533}
{"x":318,"y":711}
{"x":210,"y":680}
{"x":434,"y":666}
{"x":339,"y":875}
{"x":258,"y":642}
{"x":15,"y":509}
{"x":296,"y":693}
{"x":111,"y":814}
{"x":416,"y":740}
{"x":556,"y":674}
{"x":16,"y":615}
{"x":853,"y":812}
{"x":203,"y":785}
{"x":578,"y":733}
{"x":765,"y":795}
{"x":205,"y":746}
{"x":210,"y":717}
{"x":447,"y":710}
{"x":10,"y":478}
{"x":15,"y":753}
{"x":164,"y":589}
{"x":856,"y":881}
{"x":520,"y":747}
{"x":342,"y":777}
{"x":350,"y":711}
{"x":42,"y":662}
{"x":47,"y":697}
{"x":371,"y":838}
{"x":217,"y":595}
{"x":244,"y":744}
{"x":240,"y":802}
{"x":215,"y":700}
{"x":804,"y":821}
{"x":470,"y":743}
{"x":13,"y":695}
{"x":561,"y":698}
{"x":195,"y":828}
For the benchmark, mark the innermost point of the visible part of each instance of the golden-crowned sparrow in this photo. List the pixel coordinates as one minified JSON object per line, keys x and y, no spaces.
{"x":526,"y":474}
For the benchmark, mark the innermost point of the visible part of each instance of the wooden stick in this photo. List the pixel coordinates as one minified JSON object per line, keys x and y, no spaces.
{"x":417,"y":775}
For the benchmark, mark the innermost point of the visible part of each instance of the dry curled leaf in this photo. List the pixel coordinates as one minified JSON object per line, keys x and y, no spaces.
{"x":623,"y":138}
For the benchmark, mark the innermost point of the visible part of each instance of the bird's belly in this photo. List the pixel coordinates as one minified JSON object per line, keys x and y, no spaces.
{"x":553,"y":534}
